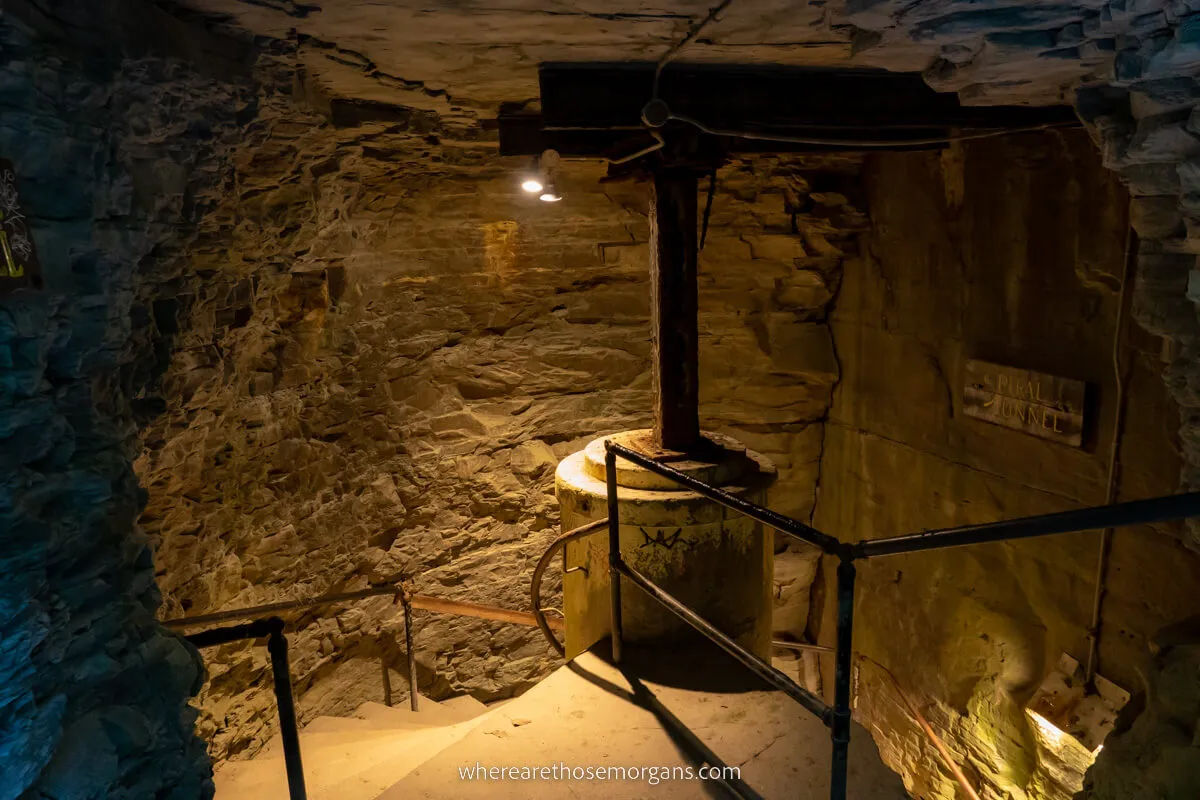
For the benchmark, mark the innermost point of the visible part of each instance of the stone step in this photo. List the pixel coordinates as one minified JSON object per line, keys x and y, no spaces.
{"x":349,"y":764}
{"x":591,"y":714}
{"x":429,"y":713}
{"x":586,"y":714}
{"x":378,"y":717}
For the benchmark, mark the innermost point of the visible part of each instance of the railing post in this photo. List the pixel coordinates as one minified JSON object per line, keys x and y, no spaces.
{"x":840,"y":727}
{"x":614,"y":553}
{"x":387,"y":681}
{"x":412,"y":654}
{"x":278,"y":648}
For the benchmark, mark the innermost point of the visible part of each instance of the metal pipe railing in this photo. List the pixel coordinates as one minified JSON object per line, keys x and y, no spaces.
{"x":838,"y":718}
{"x":421,"y":602}
{"x":772,"y":519}
{"x":289,"y":732}
{"x":273,"y":628}
{"x":535,"y":583}
{"x":759,"y":667}
{"x":1136,"y":512}
{"x":412,"y":653}
{"x":839,"y":726}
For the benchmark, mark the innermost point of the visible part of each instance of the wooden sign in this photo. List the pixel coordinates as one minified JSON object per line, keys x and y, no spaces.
{"x":1033,"y":402}
{"x":19,"y":267}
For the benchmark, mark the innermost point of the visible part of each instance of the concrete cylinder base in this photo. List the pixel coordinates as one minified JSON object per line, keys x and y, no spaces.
{"x":715,"y":560}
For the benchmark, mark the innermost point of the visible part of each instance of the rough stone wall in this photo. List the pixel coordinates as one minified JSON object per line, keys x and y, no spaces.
{"x":1152,"y":749}
{"x":93,"y":692}
{"x":1136,"y":61}
{"x":389,"y":348}
{"x":1008,"y":250}
{"x":1143,"y":124}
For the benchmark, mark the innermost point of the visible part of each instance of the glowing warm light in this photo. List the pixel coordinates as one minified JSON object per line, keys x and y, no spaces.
{"x":1066,"y":748}
{"x":550,"y":197}
{"x":1048,"y":728}
{"x":532,"y":186}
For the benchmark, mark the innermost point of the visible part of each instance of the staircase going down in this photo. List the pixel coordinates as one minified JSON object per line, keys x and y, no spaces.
{"x":641,"y":718}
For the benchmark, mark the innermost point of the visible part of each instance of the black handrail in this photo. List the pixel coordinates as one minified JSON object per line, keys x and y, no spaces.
{"x":273,"y":629}
{"x":759,"y":667}
{"x":837,"y":717}
{"x":289,"y":733}
{"x":772,"y":519}
{"x":1118,"y":515}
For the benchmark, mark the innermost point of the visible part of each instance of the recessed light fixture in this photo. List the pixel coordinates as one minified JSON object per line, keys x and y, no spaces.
{"x":539,"y":177}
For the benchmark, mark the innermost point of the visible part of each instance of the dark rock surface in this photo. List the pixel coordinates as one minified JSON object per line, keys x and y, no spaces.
{"x":93,"y":692}
{"x":1152,"y":750}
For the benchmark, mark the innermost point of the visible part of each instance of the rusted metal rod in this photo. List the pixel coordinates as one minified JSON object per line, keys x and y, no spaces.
{"x":535,"y":586}
{"x":387,"y":682}
{"x":478,"y":610}
{"x":674,"y":308}
{"x":419,"y":601}
{"x":801,"y":646}
{"x":614,"y":557}
{"x":923,"y":723}
{"x":412,"y":654}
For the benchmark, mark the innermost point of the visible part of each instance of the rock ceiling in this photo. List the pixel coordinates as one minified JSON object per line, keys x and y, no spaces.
{"x":477,"y":54}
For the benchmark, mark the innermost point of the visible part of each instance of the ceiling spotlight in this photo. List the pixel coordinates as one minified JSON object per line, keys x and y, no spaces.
{"x":532,"y":185}
{"x":550,"y":197}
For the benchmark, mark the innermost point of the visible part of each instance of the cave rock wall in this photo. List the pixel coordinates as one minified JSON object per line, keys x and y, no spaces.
{"x":389,"y":348}
{"x":1010,"y":251}
{"x":110,"y":158}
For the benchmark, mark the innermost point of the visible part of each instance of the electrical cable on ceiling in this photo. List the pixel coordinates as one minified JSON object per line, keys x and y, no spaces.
{"x":713,"y":14}
{"x":663,"y":114}
{"x":778,"y":137}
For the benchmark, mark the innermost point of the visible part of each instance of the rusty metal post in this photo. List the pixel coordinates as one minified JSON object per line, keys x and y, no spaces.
{"x":406,"y":598}
{"x":674,"y":307}
{"x":387,"y":681}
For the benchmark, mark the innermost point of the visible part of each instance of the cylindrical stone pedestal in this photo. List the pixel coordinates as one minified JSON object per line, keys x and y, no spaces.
{"x":715,"y":560}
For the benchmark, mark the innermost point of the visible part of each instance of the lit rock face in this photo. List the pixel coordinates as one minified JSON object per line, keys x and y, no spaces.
{"x":1136,"y":62}
{"x":1135,"y":58}
{"x":320,"y":397}
{"x":93,"y":691}
{"x":1152,"y":753}
{"x":1005,"y":249}
{"x":390,"y":347}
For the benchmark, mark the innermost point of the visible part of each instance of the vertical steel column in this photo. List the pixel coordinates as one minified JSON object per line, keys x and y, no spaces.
{"x":674,"y":308}
{"x":278,"y":648}
{"x":840,"y":727}
{"x":412,"y":655}
{"x":614,"y":553}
